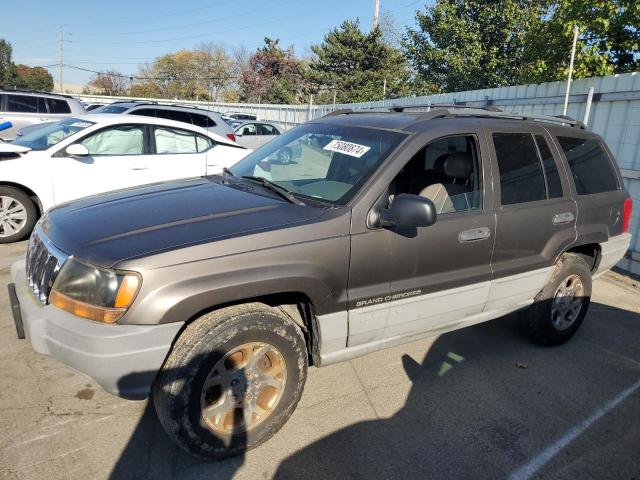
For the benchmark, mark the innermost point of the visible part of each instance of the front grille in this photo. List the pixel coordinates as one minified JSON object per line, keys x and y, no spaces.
{"x":43,"y":263}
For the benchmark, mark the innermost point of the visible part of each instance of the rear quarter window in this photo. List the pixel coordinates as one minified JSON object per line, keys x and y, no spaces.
{"x":58,"y":106}
{"x":22,"y":104}
{"x":590,"y":166}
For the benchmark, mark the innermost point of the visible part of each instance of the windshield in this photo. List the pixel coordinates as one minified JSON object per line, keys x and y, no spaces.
{"x":51,"y":134}
{"x":110,"y":109}
{"x":325,"y":162}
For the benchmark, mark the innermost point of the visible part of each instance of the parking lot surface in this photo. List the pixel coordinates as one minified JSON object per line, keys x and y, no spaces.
{"x":482,"y":402}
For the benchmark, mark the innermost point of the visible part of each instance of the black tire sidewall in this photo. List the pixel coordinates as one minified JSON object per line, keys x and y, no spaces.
{"x":30,"y":207}
{"x":539,"y":318}
{"x":253,"y":327}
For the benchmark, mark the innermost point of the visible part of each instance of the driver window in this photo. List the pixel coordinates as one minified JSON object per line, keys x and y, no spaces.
{"x":120,"y":140}
{"x":446,"y":171}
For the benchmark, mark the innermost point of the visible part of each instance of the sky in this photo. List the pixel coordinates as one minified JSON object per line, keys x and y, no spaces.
{"x":122,"y":34}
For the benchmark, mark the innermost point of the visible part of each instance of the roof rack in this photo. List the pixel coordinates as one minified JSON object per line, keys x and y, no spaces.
{"x":453,"y":110}
{"x":24,"y":90}
{"x":139,"y":102}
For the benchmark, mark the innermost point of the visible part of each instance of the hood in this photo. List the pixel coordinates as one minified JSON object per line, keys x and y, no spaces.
{"x":109,"y":228}
{"x":11,"y":148}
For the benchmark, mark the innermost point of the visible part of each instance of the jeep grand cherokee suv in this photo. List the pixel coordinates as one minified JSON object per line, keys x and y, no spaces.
{"x":384,"y":228}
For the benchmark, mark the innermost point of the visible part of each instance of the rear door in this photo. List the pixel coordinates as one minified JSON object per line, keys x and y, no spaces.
{"x":536,"y":215}
{"x":179,"y":153}
{"x":117,"y":159}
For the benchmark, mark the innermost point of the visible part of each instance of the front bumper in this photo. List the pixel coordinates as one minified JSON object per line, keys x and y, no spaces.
{"x":123,"y":359}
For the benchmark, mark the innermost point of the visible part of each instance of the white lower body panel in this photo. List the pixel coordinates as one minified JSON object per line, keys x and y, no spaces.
{"x":393,"y":323}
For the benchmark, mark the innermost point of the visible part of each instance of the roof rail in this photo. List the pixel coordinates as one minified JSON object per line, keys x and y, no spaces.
{"x":430,"y":106}
{"x":139,"y":102}
{"x":449,"y":110}
{"x":438,"y":112}
{"x":24,"y":90}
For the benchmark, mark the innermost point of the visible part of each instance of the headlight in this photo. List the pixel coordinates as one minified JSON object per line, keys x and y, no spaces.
{"x":92,"y":292}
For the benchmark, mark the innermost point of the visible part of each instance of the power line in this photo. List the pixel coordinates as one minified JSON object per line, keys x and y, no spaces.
{"x":189,"y":37}
{"x":137,"y":77}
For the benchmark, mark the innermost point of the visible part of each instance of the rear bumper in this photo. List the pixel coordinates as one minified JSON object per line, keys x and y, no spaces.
{"x":612,"y":251}
{"x":123,"y":359}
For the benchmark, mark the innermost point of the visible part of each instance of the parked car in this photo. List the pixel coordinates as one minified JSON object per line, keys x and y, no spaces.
{"x":242,"y":116}
{"x":89,"y":154}
{"x":404,"y":225}
{"x":255,"y":134}
{"x":92,"y":106}
{"x":25,"y":107}
{"x":207,"y":119}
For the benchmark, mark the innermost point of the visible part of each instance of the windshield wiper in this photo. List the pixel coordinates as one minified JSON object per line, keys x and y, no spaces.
{"x":226,"y":173}
{"x":274,"y":187}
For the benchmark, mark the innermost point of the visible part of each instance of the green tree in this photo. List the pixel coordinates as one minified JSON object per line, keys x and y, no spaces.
{"x":7,"y":68}
{"x":471,"y":44}
{"x":356,"y":65}
{"x":609,"y":40}
{"x":272,"y":75}
{"x":33,"y":78}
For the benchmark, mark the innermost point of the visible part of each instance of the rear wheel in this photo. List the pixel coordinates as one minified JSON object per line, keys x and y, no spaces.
{"x":232,"y":379}
{"x":18,"y":215}
{"x":560,"y":308}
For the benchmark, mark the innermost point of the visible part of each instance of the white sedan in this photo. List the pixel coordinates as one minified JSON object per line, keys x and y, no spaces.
{"x":96,"y":153}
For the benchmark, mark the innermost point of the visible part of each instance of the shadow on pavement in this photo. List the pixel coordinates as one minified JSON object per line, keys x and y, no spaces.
{"x":483,"y":401}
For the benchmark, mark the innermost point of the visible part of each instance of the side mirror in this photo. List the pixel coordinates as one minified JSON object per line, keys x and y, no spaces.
{"x":238,"y":133}
{"x":77,"y":150}
{"x":408,"y":210}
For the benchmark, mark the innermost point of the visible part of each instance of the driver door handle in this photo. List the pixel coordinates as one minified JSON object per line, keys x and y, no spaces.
{"x":474,"y":234}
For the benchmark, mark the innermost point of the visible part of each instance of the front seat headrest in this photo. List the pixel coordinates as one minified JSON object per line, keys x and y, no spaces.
{"x":458,"y":165}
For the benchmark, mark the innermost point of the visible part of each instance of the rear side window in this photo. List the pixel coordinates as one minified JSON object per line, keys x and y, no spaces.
{"x":58,"y":106}
{"x":554,"y":186}
{"x":590,"y":166}
{"x":174,"y":115}
{"x":521,"y":177}
{"x":266,"y":129}
{"x":171,"y":140}
{"x":147,"y":112}
{"x":22,"y":104}
{"x":202,"y":120}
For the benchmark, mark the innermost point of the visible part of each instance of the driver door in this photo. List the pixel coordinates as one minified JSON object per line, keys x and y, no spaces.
{"x":407,"y":282}
{"x":117,"y":159}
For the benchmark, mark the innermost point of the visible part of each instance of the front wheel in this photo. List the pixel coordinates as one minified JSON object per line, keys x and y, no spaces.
{"x":285,"y":155}
{"x":232,"y":380}
{"x":560,"y":308}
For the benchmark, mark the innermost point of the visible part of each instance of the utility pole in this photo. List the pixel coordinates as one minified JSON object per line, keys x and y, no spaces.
{"x":384,"y":88}
{"x":573,"y":55}
{"x":376,"y":12}
{"x":60,"y":64}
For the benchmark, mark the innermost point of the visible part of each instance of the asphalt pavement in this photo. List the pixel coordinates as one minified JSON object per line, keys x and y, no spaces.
{"x":482,"y":402}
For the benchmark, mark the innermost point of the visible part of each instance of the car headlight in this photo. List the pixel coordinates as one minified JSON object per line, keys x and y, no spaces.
{"x":93,"y":292}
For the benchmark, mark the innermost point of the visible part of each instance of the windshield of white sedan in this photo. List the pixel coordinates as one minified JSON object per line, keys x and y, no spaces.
{"x":326,"y":162}
{"x":51,"y":134}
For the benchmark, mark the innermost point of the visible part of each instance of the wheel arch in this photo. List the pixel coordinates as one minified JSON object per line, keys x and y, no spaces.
{"x":590,"y":252}
{"x":33,"y":195}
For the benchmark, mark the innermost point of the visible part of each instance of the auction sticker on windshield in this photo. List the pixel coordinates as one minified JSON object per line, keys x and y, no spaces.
{"x":348,"y":148}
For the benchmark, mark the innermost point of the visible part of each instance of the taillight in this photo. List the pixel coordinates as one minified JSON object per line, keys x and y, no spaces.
{"x":626,"y":214}
{"x":231,"y":137}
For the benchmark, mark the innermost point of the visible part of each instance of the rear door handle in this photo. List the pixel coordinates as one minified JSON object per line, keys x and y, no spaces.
{"x":560,"y":218}
{"x":474,"y":234}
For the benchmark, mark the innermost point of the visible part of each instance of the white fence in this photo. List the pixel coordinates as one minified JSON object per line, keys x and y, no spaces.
{"x":614,"y":113}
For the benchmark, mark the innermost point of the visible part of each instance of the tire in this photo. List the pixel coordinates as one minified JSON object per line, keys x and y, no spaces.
{"x":285,"y":155}
{"x":18,"y":215}
{"x":206,"y":353}
{"x":554,"y":317}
